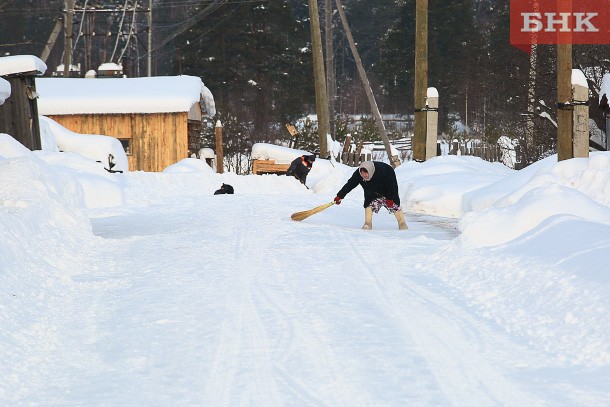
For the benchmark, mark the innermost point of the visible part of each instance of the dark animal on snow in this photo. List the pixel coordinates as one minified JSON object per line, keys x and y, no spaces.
{"x":224,"y":189}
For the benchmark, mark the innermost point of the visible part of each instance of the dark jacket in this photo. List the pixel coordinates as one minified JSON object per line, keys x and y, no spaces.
{"x":300,"y":167}
{"x":382,"y":184}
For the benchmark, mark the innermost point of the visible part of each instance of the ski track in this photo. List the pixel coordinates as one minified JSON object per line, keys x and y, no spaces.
{"x":176,"y":309}
{"x":446,"y":337}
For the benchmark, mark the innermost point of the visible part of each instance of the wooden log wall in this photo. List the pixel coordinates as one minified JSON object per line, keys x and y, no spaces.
{"x":19,"y":113}
{"x":157,"y":140}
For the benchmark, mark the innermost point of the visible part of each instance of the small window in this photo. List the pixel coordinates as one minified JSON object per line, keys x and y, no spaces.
{"x":126,"y":143}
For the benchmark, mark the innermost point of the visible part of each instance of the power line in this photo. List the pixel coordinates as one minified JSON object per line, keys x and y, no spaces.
{"x":188,"y":24}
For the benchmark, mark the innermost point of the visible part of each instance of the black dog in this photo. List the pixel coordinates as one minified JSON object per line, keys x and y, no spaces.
{"x":224,"y":189}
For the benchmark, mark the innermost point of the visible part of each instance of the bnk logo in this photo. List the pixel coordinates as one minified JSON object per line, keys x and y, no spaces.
{"x":559,"y":22}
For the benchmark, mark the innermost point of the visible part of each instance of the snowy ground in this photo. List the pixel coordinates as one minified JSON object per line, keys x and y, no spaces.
{"x":179,"y":297}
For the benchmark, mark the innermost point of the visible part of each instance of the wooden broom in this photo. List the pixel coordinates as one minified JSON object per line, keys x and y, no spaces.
{"x":299,"y":216}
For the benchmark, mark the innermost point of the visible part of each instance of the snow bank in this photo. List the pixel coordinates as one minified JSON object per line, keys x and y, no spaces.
{"x":93,"y":146}
{"x":438,"y":185}
{"x":159,"y":94}
{"x":495,"y":226}
{"x":532,"y":251}
{"x":189,"y":165}
{"x":17,"y":64}
{"x":10,"y":148}
{"x":96,"y":187}
{"x":578,"y":187}
{"x":44,"y":239}
{"x":101,"y":189}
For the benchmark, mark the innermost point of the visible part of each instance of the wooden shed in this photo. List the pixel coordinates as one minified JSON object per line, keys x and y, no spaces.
{"x":19,"y":112}
{"x":157,"y":119}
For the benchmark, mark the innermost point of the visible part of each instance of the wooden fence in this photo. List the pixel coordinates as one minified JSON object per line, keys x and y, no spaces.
{"x":354,"y":159}
{"x":486,"y":151}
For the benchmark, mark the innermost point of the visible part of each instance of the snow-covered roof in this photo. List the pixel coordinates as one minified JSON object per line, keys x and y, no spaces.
{"x":110,"y":66}
{"x":281,"y":154}
{"x":5,"y":90}
{"x":158,"y":94}
{"x":18,"y":64}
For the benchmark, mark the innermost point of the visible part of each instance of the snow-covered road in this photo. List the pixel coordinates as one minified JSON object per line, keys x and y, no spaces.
{"x":223,"y":301}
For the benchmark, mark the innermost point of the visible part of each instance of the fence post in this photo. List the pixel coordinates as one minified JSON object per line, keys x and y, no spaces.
{"x":580,"y":118}
{"x":219,"y":152}
{"x":431,"y":122}
{"x":346,"y":145}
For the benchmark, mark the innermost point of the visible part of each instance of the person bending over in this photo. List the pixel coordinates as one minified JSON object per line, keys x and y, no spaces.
{"x":378,"y":180}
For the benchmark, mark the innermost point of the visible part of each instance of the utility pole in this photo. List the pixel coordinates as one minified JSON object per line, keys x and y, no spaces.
{"x":68,"y":37}
{"x":330,"y":64}
{"x":564,"y":90}
{"x":319,"y":78}
{"x":149,"y":57}
{"x":421,"y":79}
{"x":367,"y":87}
{"x":52,"y":38}
{"x":564,"y":97}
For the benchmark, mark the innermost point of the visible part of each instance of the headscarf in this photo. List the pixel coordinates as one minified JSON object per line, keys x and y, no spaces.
{"x":369,"y":167}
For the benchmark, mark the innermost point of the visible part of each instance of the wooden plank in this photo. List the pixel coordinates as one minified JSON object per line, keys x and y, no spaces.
{"x":268,"y":166}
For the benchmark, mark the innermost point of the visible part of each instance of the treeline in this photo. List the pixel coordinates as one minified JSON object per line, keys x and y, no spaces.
{"x":255,"y":56}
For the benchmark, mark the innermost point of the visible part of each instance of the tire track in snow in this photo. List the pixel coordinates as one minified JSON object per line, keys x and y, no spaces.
{"x":308,"y":341}
{"x":244,"y":346}
{"x":453,"y":343}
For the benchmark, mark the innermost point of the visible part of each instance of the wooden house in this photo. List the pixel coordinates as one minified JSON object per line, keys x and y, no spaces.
{"x":19,"y":112}
{"x":157,"y":119}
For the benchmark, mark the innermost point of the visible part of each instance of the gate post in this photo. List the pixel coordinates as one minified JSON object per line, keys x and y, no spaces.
{"x":219,"y":153}
{"x":431,"y":122}
{"x":580,"y":114}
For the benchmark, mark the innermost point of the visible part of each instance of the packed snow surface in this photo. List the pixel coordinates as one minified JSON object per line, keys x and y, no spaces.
{"x":157,"y":292}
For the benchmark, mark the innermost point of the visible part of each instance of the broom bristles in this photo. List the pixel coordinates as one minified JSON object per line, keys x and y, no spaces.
{"x":299,"y":216}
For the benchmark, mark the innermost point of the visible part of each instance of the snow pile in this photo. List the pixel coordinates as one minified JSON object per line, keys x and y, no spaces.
{"x":189,"y":165}
{"x":438,"y":186}
{"x":577,"y":187}
{"x":11,"y":148}
{"x":95,"y":187}
{"x":533,"y":245}
{"x":17,"y":64}
{"x":104,"y":149}
{"x":44,"y":239}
